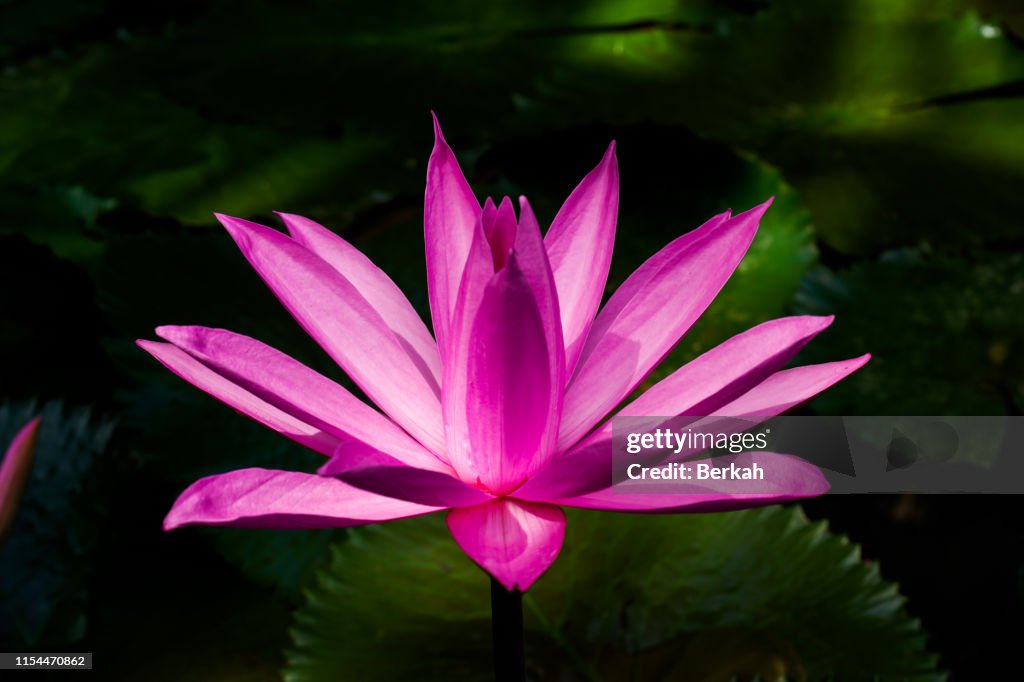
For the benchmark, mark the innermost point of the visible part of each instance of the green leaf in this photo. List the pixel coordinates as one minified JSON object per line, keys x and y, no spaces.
{"x":883,"y":101}
{"x":944,"y":332}
{"x":699,"y":597}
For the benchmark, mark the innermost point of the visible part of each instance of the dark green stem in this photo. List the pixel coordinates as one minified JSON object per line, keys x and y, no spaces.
{"x":507,"y":631}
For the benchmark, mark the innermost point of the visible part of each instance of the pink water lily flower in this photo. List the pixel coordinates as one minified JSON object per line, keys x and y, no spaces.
{"x":501,"y":415}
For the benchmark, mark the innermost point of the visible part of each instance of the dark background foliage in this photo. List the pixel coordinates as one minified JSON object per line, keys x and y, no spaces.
{"x":890,"y":132}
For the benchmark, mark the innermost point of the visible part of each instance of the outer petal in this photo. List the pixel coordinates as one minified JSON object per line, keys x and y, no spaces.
{"x":648,"y":314}
{"x":450,"y":215}
{"x":334,"y":313}
{"x":510,"y":400}
{"x":579,"y":245}
{"x":588,"y":467}
{"x":790,"y":387}
{"x":233,"y":395}
{"x":728,"y":370}
{"x":512,"y":540}
{"x":700,"y":387}
{"x":265,"y":498}
{"x":793,"y":479}
{"x":374,"y":285}
{"x":372,"y":470}
{"x":14,"y":470}
{"x":292,"y":387}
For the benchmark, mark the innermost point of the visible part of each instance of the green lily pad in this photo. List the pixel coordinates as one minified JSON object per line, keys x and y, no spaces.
{"x":945,"y":333}
{"x":699,"y":597}
{"x":864,"y":105}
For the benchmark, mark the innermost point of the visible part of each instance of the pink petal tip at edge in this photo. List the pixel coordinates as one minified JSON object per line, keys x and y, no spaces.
{"x":501,"y":416}
{"x":14,"y":472}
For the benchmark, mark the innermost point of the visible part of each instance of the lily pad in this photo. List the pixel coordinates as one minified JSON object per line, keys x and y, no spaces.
{"x":945,"y":333}
{"x":700,"y":597}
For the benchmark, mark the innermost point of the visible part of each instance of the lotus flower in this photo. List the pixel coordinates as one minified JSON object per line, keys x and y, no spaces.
{"x":501,"y":416}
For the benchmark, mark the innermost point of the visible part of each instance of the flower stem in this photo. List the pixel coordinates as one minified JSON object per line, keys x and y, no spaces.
{"x":507,"y":630}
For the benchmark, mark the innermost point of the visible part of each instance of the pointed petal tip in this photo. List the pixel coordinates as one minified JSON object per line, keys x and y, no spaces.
{"x":25,"y":437}
{"x":178,"y":515}
{"x":438,"y":133}
{"x":821,"y":322}
{"x":292,"y":223}
{"x":184,"y":336}
{"x":236,"y":227}
{"x":757,"y":212}
{"x":170,"y":332}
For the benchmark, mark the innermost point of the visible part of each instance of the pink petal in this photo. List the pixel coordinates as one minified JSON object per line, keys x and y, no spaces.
{"x":478,"y":273}
{"x":293,"y":388}
{"x":728,"y":370}
{"x":512,"y":540}
{"x":501,"y":232}
{"x":648,"y":314}
{"x":14,"y":471}
{"x":450,"y":215}
{"x":337,"y":316}
{"x":371,"y":470}
{"x":508,"y":400}
{"x":374,"y":285}
{"x":588,"y":466}
{"x":266,"y":498}
{"x":786,"y":389}
{"x":790,"y":477}
{"x":242,"y":400}
{"x":579,"y":245}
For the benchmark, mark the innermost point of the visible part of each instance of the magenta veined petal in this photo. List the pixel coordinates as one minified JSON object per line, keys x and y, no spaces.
{"x":266,"y":498}
{"x":297,"y":390}
{"x":14,"y":472}
{"x":375,"y":286}
{"x":368,"y":469}
{"x":337,"y":316}
{"x":233,"y":395}
{"x":587,"y":468}
{"x":649,"y":313}
{"x":728,"y":370}
{"x":450,"y":217}
{"x":477,"y":274}
{"x":509,"y":399}
{"x":514,"y":541}
{"x":788,"y":388}
{"x":701,"y":386}
{"x":579,"y":246}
